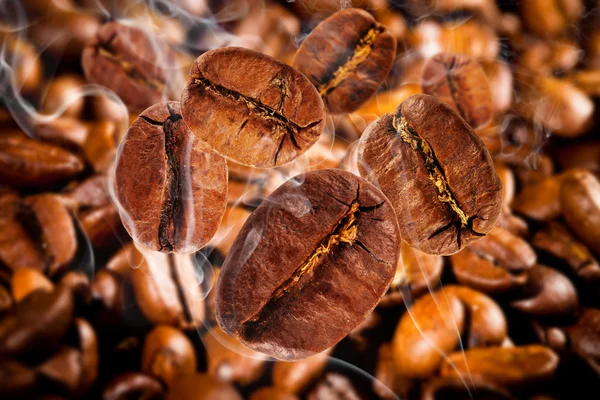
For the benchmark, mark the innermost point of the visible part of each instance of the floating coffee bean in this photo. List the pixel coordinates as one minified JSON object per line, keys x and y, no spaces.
{"x":443,"y":202}
{"x":347,"y":57}
{"x":265,"y":117}
{"x":138,"y":67}
{"x":293,"y":261}
{"x":200,"y":387}
{"x":460,"y":82}
{"x":171,"y":188}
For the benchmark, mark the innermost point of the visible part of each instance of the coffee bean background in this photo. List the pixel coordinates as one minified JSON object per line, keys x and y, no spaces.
{"x":86,"y":312}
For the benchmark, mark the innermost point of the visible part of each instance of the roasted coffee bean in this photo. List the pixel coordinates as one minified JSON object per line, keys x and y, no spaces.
{"x":551,"y":19}
{"x":579,"y":193}
{"x":347,"y":57}
{"x":295,"y":377}
{"x":168,"y":289}
{"x":500,"y":80}
{"x":168,"y":353}
{"x":64,"y":131}
{"x":16,"y":380}
{"x":27,"y":66}
{"x":460,"y":82}
{"x":584,"y":155}
{"x":430,"y":329}
{"x":26,"y":281}
{"x":515,"y":253}
{"x":36,"y":324}
{"x":101,"y":144}
{"x":504,"y":366}
{"x":140,"y":68}
{"x":87,"y":343}
{"x":442,"y":202}
{"x":6,"y":301}
{"x":63,"y":368}
{"x":64,"y":92}
{"x":387,"y":382}
{"x":27,"y":163}
{"x":133,"y":385}
{"x":540,"y":200}
{"x":334,"y":387}
{"x":583,"y":337}
{"x":271,"y":393}
{"x":295,"y":257}
{"x":200,"y":387}
{"x":456,"y":389}
{"x":171,"y":188}
{"x":266,"y":117}
{"x":102,"y":226}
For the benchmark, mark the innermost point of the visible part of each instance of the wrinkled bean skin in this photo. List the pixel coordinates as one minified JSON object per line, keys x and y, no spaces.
{"x":443,"y":203}
{"x":346,"y":57}
{"x":275,"y":288}
{"x":171,"y":188}
{"x":264,"y":118}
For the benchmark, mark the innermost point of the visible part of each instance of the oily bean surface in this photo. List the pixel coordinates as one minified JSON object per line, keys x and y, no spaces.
{"x":171,"y":188}
{"x":266,"y":116}
{"x":347,"y":57}
{"x":291,"y":265}
{"x":436,"y":172}
{"x":139,"y":68}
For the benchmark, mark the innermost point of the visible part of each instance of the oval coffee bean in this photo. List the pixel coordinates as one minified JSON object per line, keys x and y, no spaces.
{"x":323,"y":246}
{"x":443,"y":201}
{"x":171,"y":188}
{"x":133,"y":385}
{"x":460,"y":82}
{"x":584,"y":336}
{"x":504,"y":366}
{"x":16,"y":380}
{"x":430,"y":329}
{"x":266,"y":116}
{"x":347,"y":57}
{"x":294,"y":377}
{"x":580,"y":204}
{"x":515,"y":253}
{"x":138,"y":67}
{"x":455,"y":388}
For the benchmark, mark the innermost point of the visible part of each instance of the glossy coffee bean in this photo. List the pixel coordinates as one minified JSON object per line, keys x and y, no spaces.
{"x":347,"y":57}
{"x":133,"y":385}
{"x":504,"y":366}
{"x":295,"y":377}
{"x":200,"y":387}
{"x":516,"y":254}
{"x":64,"y":92}
{"x":64,"y":131}
{"x":551,"y":19}
{"x":442,"y":202}
{"x":540,"y":200}
{"x":63,"y":368}
{"x":168,"y":353}
{"x":461,"y":83}
{"x":454,"y":388}
{"x":430,"y":329}
{"x":500,"y":79}
{"x":171,"y":188}
{"x":26,"y":281}
{"x":583,"y":336}
{"x":265,"y":117}
{"x":271,"y":393}
{"x":334,"y":386}
{"x":138,"y":67}
{"x":101,"y":144}
{"x":284,"y":272}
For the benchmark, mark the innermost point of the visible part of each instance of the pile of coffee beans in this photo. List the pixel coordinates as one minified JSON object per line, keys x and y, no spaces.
{"x":266,"y":199}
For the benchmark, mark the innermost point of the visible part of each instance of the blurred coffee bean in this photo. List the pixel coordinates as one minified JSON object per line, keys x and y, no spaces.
{"x":430,"y":328}
{"x":504,"y":366}
{"x":456,"y":389}
{"x":584,"y":337}
{"x":585,"y":155}
{"x":6,"y":300}
{"x":334,"y":387}
{"x":550,"y":20}
{"x":500,"y":80}
{"x":63,"y":368}
{"x":272,"y":393}
{"x":64,"y":93}
{"x":167,"y":354}
{"x":540,"y":200}
{"x":26,"y":281}
{"x":515,"y":225}
{"x":515,"y":253}
{"x":507,"y":178}
{"x":545,"y":58}
{"x":64,"y":131}
{"x":200,"y":387}
{"x":579,"y":193}
{"x":231,"y":362}
{"x":25,"y":61}
{"x":86,"y":342}
{"x":102,"y":225}
{"x":101,"y":144}
{"x":296,"y":376}
{"x":586,"y":80}
{"x":388,"y":383}
{"x":16,"y":380}
{"x":133,"y":385}
{"x":25,"y":162}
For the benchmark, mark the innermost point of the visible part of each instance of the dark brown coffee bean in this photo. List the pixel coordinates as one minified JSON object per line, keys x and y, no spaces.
{"x":200,"y":387}
{"x":25,"y":162}
{"x":229,"y":360}
{"x":168,"y":353}
{"x":503,"y":366}
{"x":171,"y":187}
{"x":460,"y":82}
{"x":295,"y":377}
{"x":514,"y":253}
{"x":456,"y":389}
{"x":584,"y":155}
{"x":6,"y":300}
{"x":133,"y":385}
{"x":347,"y":57}
{"x":37,"y":323}
{"x":334,"y":387}
{"x":579,"y":194}
{"x":515,"y":225}
{"x":140,"y":68}
{"x":426,"y":333}
{"x":443,"y":202}
{"x":388,"y":382}
{"x":584,"y":337}
{"x":16,"y":380}
{"x":102,"y":225}
{"x":295,"y":258}
{"x":86,"y":342}
{"x":265,"y":117}
{"x":271,"y":393}
{"x":64,"y":368}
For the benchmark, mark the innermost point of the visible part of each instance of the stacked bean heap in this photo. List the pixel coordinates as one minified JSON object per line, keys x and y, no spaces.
{"x":408,"y":193}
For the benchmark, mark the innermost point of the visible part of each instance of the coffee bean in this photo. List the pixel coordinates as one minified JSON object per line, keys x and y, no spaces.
{"x":171,"y":188}
{"x":347,"y":57}
{"x":63,"y":369}
{"x":64,"y":92}
{"x":504,"y":366}
{"x":423,"y":335}
{"x":442,"y":202}
{"x":133,"y":385}
{"x":16,"y":380}
{"x":25,"y":162}
{"x":27,"y":66}
{"x":515,"y":225}
{"x":584,"y":334}
{"x":26,"y":281}
{"x":454,"y":388}
{"x":295,"y":377}
{"x":515,"y":253}
{"x":551,"y":20}
{"x":200,"y":387}
{"x":87,"y":343}
{"x":101,"y":145}
{"x":540,"y":201}
{"x":271,"y":393}
{"x":265,"y":117}
{"x":67,"y":132}
{"x":295,"y":257}
{"x":579,"y":204}
{"x":137,"y":66}
{"x":500,"y":79}
{"x":460,"y":82}
{"x":168,"y":353}
{"x":334,"y":387}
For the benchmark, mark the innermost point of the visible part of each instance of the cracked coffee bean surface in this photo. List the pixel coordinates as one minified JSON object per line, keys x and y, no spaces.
{"x":140,"y":68}
{"x":322,"y":247}
{"x":436,"y":172}
{"x":171,"y":187}
{"x":347,"y":57}
{"x":251,"y":108}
